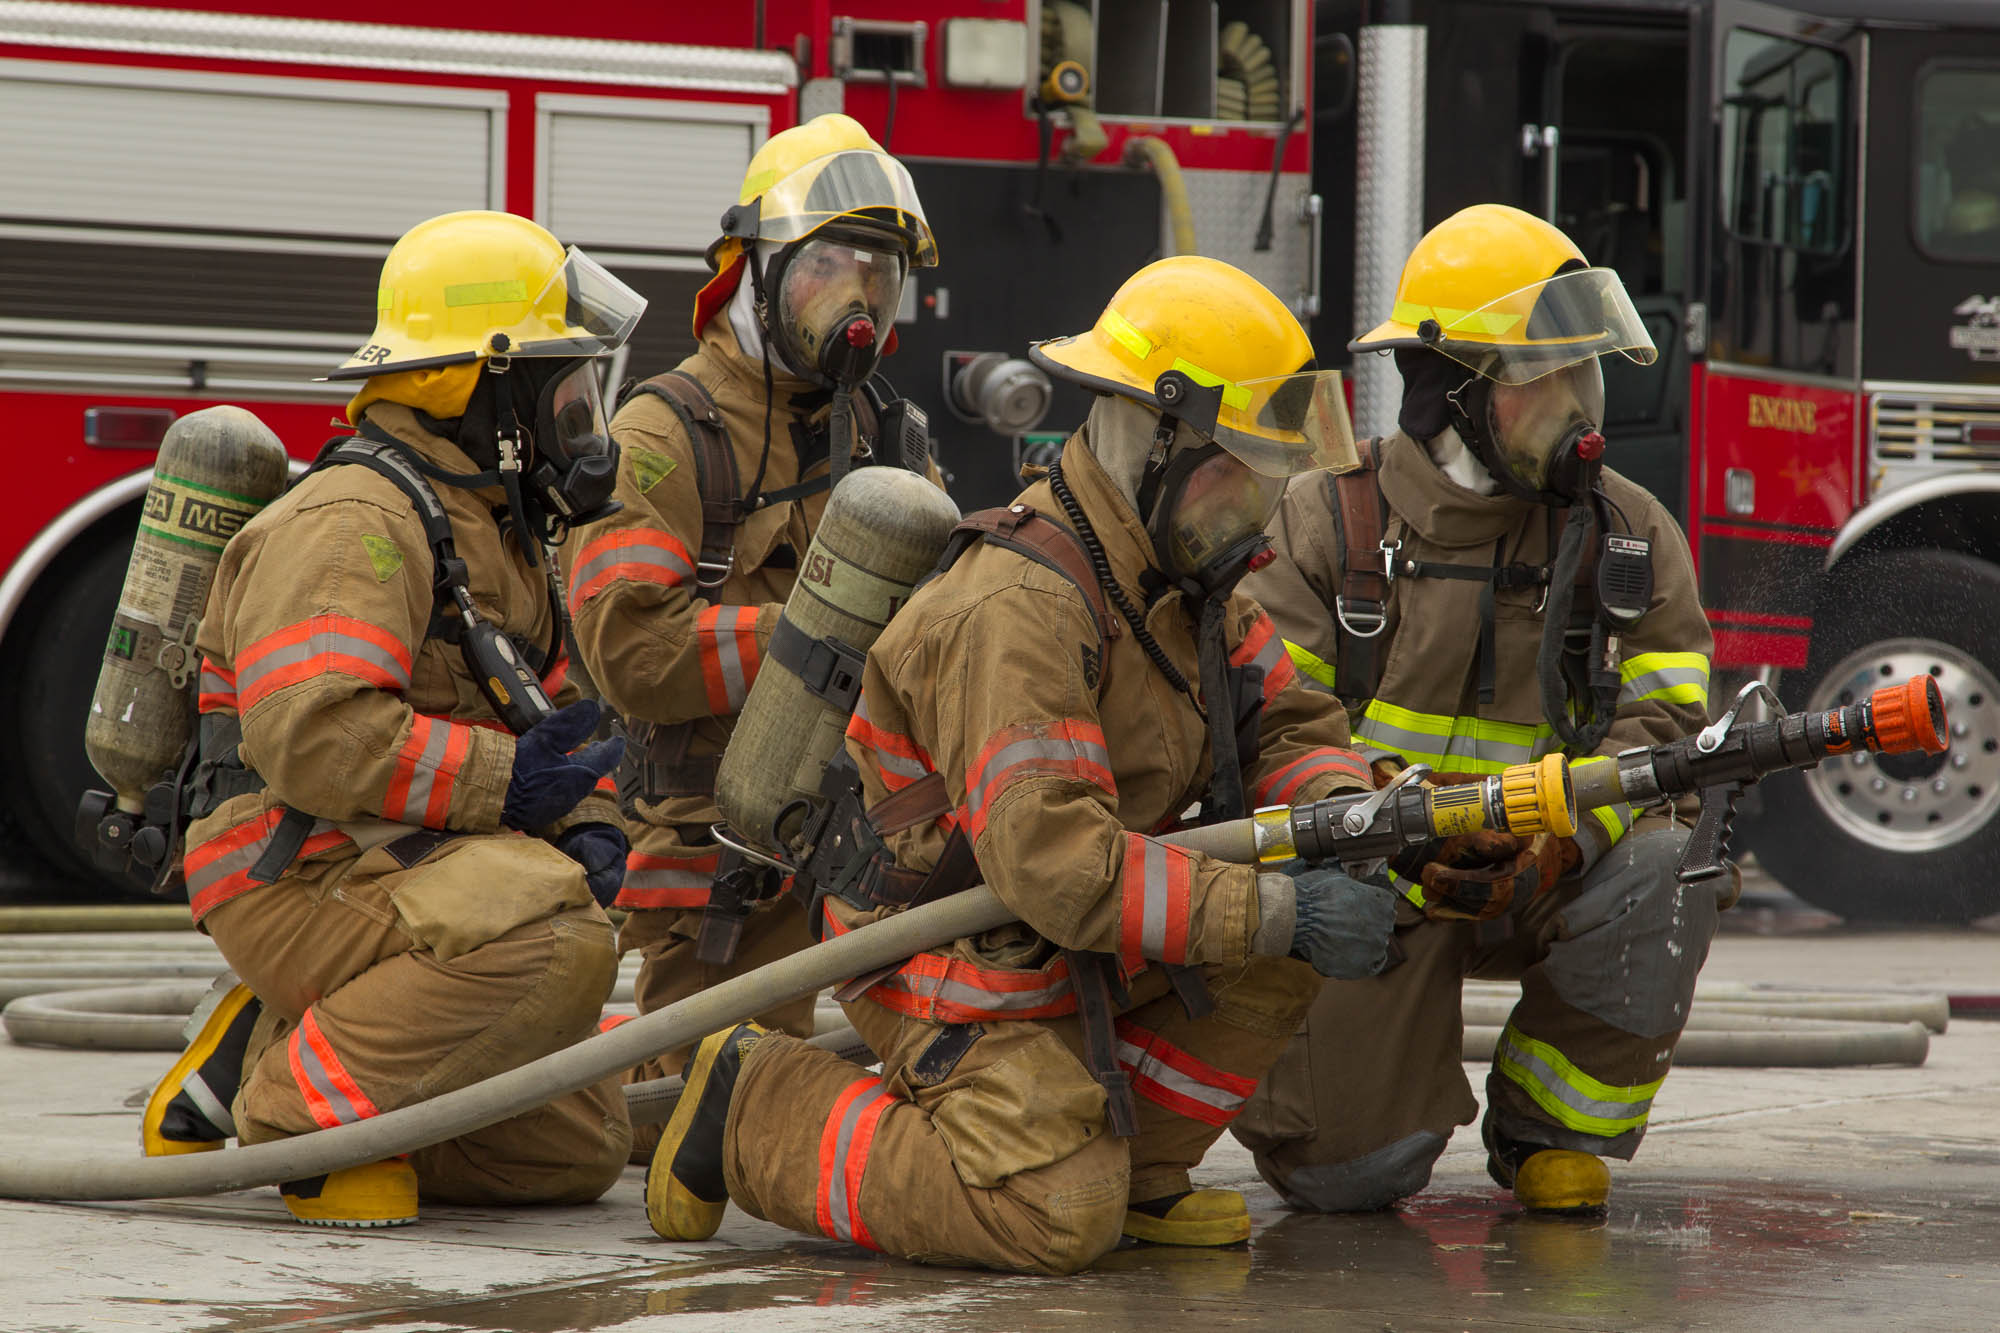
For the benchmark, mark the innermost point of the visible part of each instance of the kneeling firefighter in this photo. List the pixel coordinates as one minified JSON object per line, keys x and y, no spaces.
{"x":1078,"y":675}
{"x":726,"y":462}
{"x":395,"y":841}
{"x":1480,"y":593}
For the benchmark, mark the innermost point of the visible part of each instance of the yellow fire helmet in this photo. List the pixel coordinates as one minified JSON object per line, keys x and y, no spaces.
{"x":822,"y":171}
{"x":1507,"y":295}
{"x":467,"y":286}
{"x":1214,"y":347}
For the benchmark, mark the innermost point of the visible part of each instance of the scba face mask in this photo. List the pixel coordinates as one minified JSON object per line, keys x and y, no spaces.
{"x":1207,"y":516}
{"x":575,"y":465}
{"x":1538,"y":439}
{"x":831,"y":303}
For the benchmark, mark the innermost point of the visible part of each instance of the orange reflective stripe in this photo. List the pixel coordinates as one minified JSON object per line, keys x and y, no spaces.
{"x":667,"y":881}
{"x":843,"y":1156}
{"x":898,"y":760}
{"x":558,"y":675}
{"x":219,"y":869}
{"x":937,"y":988}
{"x":217,"y":688}
{"x":1168,"y":1076}
{"x":634,"y":555}
{"x":331,"y":1094}
{"x":1158,"y":888}
{"x":1263,"y":649}
{"x":1067,"y":748}
{"x":726,"y":640}
{"x":319,"y":646}
{"x":427,"y":768}
{"x":1280,"y":787}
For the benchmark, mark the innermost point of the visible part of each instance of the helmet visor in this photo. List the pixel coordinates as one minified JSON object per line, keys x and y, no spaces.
{"x":1219,"y":504}
{"x":581,"y":311}
{"x":859,"y":184}
{"x":1545,"y":326}
{"x":1531,"y":423}
{"x":1288,"y":424}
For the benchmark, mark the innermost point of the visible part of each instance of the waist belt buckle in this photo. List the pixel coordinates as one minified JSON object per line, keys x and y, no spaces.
{"x":1364,"y":620}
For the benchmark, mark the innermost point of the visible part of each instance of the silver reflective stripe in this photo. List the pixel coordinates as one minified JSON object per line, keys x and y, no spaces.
{"x":637,"y":553}
{"x":1019,"y":752}
{"x":1665,"y":678}
{"x":344,"y":1110}
{"x":837,"y":1206}
{"x":668,"y":877}
{"x":423,"y":774}
{"x":1551,"y":1081}
{"x":315,"y":645}
{"x":1153,"y":924}
{"x":1146,"y":1065}
{"x":222,"y":867}
{"x":211,"y":1106}
{"x":729,"y":657}
{"x":943,"y":990}
{"x":214,"y":682}
{"x":1424,"y":746}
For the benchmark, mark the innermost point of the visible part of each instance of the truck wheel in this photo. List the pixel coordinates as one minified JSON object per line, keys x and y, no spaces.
{"x":53,"y":648}
{"x":1898,"y":837}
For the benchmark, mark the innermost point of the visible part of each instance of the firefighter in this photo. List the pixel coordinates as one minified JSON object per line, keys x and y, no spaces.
{"x":726,"y":464}
{"x":1047,"y":1086}
{"x":1479,"y":598}
{"x":404,"y":885}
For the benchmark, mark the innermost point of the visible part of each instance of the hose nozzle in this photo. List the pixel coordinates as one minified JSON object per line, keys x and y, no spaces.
{"x":1901,"y":719}
{"x":1538,"y":798}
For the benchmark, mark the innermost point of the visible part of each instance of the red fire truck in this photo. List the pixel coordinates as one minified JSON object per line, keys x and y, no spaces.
{"x":198,"y":200}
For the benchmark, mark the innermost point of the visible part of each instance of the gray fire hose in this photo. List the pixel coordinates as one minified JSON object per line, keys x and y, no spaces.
{"x":518,"y":1090}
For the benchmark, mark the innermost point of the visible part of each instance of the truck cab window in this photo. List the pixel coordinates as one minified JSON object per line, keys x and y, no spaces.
{"x":1784,"y":162}
{"x":1957,"y":189}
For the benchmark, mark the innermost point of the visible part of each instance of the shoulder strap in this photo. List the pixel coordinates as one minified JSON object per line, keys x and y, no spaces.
{"x":1020,"y":529}
{"x":715,"y":474}
{"x":1360,"y":606}
{"x":387,"y":461}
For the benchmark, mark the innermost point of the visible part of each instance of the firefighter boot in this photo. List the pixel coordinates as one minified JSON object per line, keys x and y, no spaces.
{"x":1192,"y":1217}
{"x":380,"y":1194}
{"x":189,"y":1109}
{"x":685,"y":1194}
{"x":1550,"y":1181}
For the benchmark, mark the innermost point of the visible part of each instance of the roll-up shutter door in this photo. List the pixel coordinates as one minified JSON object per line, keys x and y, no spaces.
{"x":241,"y":154}
{"x":647,"y":176}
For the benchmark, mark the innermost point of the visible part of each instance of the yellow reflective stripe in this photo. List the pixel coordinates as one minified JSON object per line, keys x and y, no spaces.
{"x":1126,"y":334}
{"x":485,"y":293}
{"x":1459,"y":321}
{"x":1574,"y":1098}
{"x":1453,"y":744}
{"x":1233,"y":394}
{"x":1413,"y":889}
{"x":1615,"y":819}
{"x":1675,"y":678}
{"x":1310,"y":666}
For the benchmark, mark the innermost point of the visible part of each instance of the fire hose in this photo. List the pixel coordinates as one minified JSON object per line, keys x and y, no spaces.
{"x":1524,"y":800}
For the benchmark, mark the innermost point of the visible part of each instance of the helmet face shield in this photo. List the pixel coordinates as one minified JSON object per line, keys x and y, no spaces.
{"x":1542,"y":328}
{"x":581,"y":311}
{"x":827,"y":280}
{"x":571,"y":420}
{"x":1287,"y":424}
{"x":1531,"y":424}
{"x":858,"y":184}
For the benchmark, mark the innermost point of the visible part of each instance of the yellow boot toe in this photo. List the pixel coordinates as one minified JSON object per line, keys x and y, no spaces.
{"x":1198,"y":1217}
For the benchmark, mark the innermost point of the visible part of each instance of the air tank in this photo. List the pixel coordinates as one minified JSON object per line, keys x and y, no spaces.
{"x":883,"y":530}
{"x":216,"y":468}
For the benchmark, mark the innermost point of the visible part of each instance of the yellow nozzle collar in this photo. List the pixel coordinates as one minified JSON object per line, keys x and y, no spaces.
{"x":1538,"y":798}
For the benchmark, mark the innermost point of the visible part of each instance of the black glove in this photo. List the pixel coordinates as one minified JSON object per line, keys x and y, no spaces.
{"x":1341,"y":925}
{"x":548,"y":780}
{"x":600,"y":849}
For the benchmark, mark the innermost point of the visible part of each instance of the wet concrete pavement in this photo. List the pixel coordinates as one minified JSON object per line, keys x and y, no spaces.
{"x":1763,"y":1199}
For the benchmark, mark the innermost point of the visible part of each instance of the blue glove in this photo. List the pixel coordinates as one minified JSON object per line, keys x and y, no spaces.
{"x":548,"y":780}
{"x":1341,"y":925}
{"x":600,"y":849}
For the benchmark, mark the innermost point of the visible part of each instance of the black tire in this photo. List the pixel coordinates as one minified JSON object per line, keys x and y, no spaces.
{"x":1898,"y":838}
{"x":53,"y":648}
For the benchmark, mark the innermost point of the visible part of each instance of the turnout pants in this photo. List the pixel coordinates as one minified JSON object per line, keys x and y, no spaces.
{"x":669,"y":972}
{"x":986,"y":1143}
{"x":384,"y":985}
{"x":1361,"y":1105}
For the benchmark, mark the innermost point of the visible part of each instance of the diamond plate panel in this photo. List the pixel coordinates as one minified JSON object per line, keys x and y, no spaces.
{"x":1388,"y":201}
{"x":1227,"y":206}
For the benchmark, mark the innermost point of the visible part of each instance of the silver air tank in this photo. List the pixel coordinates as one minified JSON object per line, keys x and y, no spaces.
{"x":884,"y":529}
{"x":216,"y":468}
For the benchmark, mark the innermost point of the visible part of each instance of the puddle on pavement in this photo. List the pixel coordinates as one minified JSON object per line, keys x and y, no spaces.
{"x":1665,"y":1257}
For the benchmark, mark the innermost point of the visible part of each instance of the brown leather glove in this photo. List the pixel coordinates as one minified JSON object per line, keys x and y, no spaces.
{"x":1476,"y":876}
